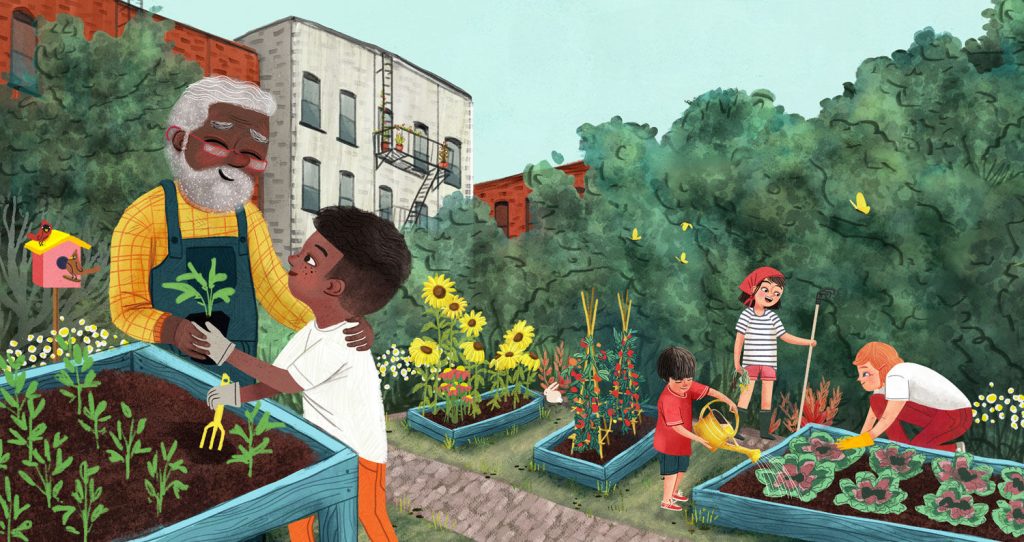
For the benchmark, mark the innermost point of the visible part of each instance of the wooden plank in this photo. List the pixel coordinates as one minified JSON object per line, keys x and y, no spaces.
{"x":526,"y":413}
{"x":45,"y":376}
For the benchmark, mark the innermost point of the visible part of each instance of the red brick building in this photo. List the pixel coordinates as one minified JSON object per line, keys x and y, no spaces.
{"x":17,"y":36}
{"x":509,"y":198}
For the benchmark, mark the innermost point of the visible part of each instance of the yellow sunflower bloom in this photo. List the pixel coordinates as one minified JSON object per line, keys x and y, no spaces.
{"x":530,"y":361}
{"x":424,"y":352}
{"x":506,"y":359}
{"x":473,"y":352}
{"x":454,"y":306}
{"x":472,"y":323}
{"x":436,"y":291}
{"x":520,"y":336}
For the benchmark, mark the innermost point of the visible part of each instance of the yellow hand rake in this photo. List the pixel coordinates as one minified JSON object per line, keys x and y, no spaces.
{"x":216,"y":426}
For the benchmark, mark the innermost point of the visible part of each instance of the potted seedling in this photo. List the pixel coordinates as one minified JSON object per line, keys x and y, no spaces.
{"x":206,"y":295}
{"x":442,"y":157}
{"x":399,"y":141}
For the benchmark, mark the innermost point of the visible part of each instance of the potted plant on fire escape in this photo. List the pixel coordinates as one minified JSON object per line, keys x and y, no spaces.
{"x":442,"y":157}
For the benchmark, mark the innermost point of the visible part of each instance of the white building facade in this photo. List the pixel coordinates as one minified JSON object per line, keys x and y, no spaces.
{"x":324,"y":147}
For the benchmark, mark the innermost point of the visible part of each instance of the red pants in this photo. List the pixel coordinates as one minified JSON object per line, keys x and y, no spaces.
{"x":938,"y":427}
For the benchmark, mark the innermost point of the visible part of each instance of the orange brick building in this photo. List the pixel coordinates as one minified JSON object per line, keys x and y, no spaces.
{"x":509,"y":198}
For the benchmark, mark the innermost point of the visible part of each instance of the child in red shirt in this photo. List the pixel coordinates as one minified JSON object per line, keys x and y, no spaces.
{"x":674,"y":431}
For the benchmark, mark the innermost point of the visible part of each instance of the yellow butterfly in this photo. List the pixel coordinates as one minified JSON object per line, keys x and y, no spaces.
{"x":862,"y":204}
{"x":636,"y":235}
{"x":686,"y":226}
{"x":682,"y":259}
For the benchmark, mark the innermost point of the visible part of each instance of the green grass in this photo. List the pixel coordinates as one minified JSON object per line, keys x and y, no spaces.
{"x":634,"y":500}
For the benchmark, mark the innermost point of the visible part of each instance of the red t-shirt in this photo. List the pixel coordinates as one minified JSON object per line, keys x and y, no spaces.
{"x":674,"y":410}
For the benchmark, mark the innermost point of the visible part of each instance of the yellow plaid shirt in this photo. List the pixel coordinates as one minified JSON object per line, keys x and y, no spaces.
{"x":139,"y":244}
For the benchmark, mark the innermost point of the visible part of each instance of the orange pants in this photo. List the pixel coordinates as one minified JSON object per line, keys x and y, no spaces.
{"x":373,"y":511}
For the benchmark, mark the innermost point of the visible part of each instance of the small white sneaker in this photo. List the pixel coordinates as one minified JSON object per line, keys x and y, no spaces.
{"x":960,"y":448}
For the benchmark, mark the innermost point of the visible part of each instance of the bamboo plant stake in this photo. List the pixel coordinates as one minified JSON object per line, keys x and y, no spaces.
{"x":625,"y":309}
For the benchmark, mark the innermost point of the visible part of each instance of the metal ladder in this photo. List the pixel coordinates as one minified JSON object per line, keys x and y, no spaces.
{"x":387,"y":70}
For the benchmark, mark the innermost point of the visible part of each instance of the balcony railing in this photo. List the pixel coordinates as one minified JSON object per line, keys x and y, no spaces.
{"x":411,"y":151}
{"x":400,"y":217}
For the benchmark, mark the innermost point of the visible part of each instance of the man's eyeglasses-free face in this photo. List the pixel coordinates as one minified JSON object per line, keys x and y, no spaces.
{"x":255,"y":165}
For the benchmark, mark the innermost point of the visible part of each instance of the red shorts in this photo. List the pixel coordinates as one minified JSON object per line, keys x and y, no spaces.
{"x":764,"y":372}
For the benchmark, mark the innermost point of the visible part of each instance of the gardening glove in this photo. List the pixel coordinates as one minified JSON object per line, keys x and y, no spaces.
{"x":178,"y":332}
{"x":219,"y":346}
{"x":551,"y":393}
{"x":226,"y":395}
{"x":862,"y":440}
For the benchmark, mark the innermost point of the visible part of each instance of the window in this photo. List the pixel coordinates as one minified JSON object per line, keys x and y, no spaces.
{"x":501,"y":215}
{"x":310,"y":184}
{"x":385,"y":123}
{"x":529,"y":216}
{"x":454,"y":175}
{"x":347,"y":190}
{"x":310,"y":100}
{"x":421,"y":216}
{"x":347,"y":121}
{"x":384,"y":203}
{"x":420,"y":159}
{"x":23,"y":75}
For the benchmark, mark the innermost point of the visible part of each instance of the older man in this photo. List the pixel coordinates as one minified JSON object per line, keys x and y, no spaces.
{"x":217,"y":148}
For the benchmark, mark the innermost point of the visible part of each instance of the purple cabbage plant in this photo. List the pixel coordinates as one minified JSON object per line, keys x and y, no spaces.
{"x":800,"y":476}
{"x":905,"y":463}
{"x":961,"y":469}
{"x":871,"y":493}
{"x":1012,"y":486}
{"x":1009,"y":517}
{"x":954,"y":505}
{"x":823,"y":446}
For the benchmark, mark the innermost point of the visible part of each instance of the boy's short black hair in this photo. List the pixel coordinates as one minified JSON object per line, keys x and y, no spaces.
{"x":375,"y":259}
{"x":676,"y":363}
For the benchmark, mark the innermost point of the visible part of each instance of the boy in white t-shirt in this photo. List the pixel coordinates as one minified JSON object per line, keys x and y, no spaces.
{"x":351,"y":266}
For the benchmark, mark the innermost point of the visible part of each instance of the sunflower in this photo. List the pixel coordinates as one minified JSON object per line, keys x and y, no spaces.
{"x":472,"y":323}
{"x":424,"y":352}
{"x":454,"y":306}
{"x":520,"y":336}
{"x":530,"y":361}
{"x":436,"y":291}
{"x":506,"y":359}
{"x":473,"y":352}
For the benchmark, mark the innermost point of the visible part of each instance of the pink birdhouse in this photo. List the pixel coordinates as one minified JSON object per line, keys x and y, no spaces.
{"x":57,"y":262}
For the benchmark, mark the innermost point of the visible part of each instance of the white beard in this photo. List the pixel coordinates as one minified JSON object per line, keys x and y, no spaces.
{"x":206,"y":189}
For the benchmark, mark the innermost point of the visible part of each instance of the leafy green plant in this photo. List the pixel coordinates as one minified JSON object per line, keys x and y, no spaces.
{"x":207,"y":294}
{"x":799,"y":476}
{"x":1012,"y":487}
{"x":77,"y":373}
{"x":13,"y":509}
{"x":5,"y":457}
{"x":906,"y":463}
{"x":247,"y":452}
{"x":95,"y":413}
{"x":87,"y":495}
{"x":160,"y":482}
{"x":126,"y":443}
{"x":46,"y":467}
{"x":954,"y":505}
{"x":824,"y":448}
{"x":23,"y":402}
{"x":871,"y":493}
{"x":1009,"y":516}
{"x":960,"y":468}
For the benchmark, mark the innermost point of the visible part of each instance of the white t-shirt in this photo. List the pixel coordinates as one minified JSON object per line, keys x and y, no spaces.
{"x":341,"y":388}
{"x":759,"y":336}
{"x":924,"y":386}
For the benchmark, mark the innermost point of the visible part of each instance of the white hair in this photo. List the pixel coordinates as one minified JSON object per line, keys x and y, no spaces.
{"x":193,"y":107}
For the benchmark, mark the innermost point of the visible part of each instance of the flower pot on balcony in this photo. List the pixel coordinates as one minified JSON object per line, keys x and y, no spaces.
{"x":443,"y":165}
{"x":384,"y":146}
{"x":525,"y":413}
{"x":399,"y":147}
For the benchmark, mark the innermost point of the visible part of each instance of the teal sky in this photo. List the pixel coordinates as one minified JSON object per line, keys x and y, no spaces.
{"x":537,"y":69}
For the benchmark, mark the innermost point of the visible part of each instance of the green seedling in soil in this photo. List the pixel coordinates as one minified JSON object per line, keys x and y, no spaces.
{"x":45,"y":467}
{"x":77,"y":373}
{"x":247,"y":452}
{"x":13,"y":509}
{"x":95,"y":413}
{"x":28,"y":430}
{"x":159,"y":482}
{"x":87,"y":495}
{"x":127,"y":444}
{"x":19,"y":401}
{"x":5,"y":457}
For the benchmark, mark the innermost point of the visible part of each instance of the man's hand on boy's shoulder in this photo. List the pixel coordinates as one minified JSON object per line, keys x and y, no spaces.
{"x":359,"y":336}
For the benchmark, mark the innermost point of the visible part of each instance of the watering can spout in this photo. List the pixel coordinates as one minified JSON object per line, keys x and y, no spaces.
{"x":717,"y":430}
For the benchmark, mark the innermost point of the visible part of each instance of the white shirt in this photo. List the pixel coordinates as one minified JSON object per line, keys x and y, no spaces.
{"x":759,"y":336}
{"x":341,"y":388}
{"x":924,"y":386}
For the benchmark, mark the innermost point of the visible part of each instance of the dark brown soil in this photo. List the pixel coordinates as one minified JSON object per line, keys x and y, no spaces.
{"x":171,"y":414}
{"x":504,"y":406}
{"x":618,"y":442}
{"x":746,"y":484}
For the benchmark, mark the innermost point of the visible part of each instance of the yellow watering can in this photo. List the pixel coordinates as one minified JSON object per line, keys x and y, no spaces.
{"x":716,"y":429}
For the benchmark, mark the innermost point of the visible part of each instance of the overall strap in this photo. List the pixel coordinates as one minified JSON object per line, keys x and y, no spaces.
{"x":174,"y":241}
{"x":243,"y":231}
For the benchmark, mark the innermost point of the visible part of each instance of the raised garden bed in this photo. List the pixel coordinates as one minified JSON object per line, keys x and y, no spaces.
{"x":739,"y":502}
{"x":591,"y":474}
{"x":488,"y":424}
{"x":308,"y":471}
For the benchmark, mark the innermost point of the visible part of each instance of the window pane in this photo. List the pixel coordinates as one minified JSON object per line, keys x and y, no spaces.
{"x":310,"y":186}
{"x":310,"y":102}
{"x":23,"y":49}
{"x":419,"y":151}
{"x":347,"y":190}
{"x":454,"y":175}
{"x":347,"y":118}
{"x":501,"y":215}
{"x":384,"y":207}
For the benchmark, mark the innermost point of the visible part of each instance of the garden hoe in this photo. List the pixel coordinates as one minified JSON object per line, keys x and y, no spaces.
{"x":216,"y":426}
{"x":824,"y":293}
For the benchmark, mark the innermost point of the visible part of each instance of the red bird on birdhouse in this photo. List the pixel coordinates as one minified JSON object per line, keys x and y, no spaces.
{"x":44,"y":233}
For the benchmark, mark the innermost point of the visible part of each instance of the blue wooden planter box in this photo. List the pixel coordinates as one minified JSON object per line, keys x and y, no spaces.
{"x":328,"y":487}
{"x":526,"y":413}
{"x":758,"y":515}
{"x":592,"y":474}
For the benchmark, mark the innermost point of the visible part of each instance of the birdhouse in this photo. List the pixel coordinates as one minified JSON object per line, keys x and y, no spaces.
{"x":56,"y":263}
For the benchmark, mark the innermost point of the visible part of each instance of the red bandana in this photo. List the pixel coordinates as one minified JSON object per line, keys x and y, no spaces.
{"x":755,"y":278}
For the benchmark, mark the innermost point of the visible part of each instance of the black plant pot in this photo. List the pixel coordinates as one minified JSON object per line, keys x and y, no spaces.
{"x":220,"y":321}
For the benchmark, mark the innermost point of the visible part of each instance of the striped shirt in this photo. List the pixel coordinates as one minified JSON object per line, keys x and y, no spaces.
{"x":759,"y":337}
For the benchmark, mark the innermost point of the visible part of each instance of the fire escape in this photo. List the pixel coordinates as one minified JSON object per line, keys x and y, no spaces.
{"x":406,"y":148}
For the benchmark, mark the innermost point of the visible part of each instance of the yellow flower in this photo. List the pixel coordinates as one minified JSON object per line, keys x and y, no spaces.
{"x":506,"y":359}
{"x":520,"y":336}
{"x":14,"y":343}
{"x":472,"y":323}
{"x":104,"y":333}
{"x":454,"y":306}
{"x":424,"y":352}
{"x":999,"y":407}
{"x":63,"y":332}
{"x":530,"y":361}
{"x":436,"y":291}
{"x":473,"y":352}
{"x":991,"y":398}
{"x":984,"y":417}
